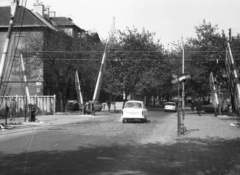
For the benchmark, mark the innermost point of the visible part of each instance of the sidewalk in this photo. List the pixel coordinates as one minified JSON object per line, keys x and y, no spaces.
{"x":50,"y":120}
{"x":207,"y":125}
{"x":210,"y":146}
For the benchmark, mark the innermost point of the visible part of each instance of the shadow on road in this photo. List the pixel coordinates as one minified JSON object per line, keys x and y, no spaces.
{"x":184,"y":156}
{"x":190,"y":130}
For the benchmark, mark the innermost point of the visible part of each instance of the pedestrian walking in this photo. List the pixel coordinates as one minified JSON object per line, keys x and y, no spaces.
{"x":13,"y":109}
{"x":109,"y":105}
{"x":199,"y":107}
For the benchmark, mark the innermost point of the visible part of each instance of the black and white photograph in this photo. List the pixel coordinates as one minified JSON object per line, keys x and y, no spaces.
{"x":119,"y":87}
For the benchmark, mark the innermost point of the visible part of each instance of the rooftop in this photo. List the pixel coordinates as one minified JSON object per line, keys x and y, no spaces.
{"x":24,"y":18}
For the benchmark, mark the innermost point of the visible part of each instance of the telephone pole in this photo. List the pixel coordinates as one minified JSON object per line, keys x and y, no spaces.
{"x":14,"y":6}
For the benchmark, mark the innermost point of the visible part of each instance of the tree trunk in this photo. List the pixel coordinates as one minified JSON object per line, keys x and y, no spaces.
{"x":147,"y":100}
{"x":62,"y":102}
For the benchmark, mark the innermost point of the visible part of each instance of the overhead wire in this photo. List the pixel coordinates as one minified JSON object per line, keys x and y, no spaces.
{"x":82,"y":51}
{"x":135,"y":59}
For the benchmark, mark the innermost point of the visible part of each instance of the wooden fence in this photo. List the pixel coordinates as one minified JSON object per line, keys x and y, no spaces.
{"x":45,"y":104}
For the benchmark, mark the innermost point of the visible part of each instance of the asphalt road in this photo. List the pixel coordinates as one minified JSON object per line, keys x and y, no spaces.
{"x":100,"y":146}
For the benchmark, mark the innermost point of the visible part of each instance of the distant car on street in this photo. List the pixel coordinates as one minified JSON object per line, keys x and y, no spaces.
{"x":170,"y":106}
{"x":134,"y":110}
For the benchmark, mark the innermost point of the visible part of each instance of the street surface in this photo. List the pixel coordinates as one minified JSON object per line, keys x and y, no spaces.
{"x":102,"y":145}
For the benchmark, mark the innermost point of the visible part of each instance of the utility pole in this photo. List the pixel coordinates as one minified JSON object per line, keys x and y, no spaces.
{"x":14,"y":6}
{"x":177,"y":79}
{"x":183,"y":84}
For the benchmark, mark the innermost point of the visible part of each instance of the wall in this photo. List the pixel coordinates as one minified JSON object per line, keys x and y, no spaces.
{"x":33,"y":64}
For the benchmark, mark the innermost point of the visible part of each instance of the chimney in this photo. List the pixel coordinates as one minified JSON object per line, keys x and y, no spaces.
{"x":46,"y":11}
{"x":38,"y":7}
{"x":52,"y":14}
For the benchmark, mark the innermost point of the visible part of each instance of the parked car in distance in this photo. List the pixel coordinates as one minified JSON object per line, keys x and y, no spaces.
{"x":134,"y":110}
{"x":209,"y":108}
{"x":72,"y":105}
{"x":170,"y":106}
{"x":97,"y":105}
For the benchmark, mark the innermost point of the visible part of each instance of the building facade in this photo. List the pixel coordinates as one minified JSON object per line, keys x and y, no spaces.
{"x":40,"y":38}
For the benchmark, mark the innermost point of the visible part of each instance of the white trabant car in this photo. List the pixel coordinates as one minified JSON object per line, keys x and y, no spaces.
{"x":134,"y":110}
{"x":170,"y":106}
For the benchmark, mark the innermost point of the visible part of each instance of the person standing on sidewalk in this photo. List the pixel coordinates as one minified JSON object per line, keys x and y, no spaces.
{"x":13,"y":109}
{"x":199,"y":107}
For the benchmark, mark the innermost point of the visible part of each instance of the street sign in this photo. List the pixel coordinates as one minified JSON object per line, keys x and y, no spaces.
{"x":183,"y":77}
{"x":176,"y":80}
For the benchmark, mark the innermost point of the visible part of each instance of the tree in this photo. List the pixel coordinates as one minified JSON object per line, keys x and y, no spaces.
{"x":204,"y":54}
{"x":131,"y":56}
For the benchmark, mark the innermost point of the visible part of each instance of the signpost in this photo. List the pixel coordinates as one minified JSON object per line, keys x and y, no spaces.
{"x":179,"y":79}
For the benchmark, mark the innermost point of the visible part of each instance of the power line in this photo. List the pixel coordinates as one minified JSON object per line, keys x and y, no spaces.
{"x":136,"y":59}
{"x":120,"y":51}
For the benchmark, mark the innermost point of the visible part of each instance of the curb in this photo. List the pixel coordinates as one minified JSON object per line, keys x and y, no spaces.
{"x":33,"y":123}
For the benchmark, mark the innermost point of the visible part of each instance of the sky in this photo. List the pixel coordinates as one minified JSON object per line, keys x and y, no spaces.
{"x":171,"y":20}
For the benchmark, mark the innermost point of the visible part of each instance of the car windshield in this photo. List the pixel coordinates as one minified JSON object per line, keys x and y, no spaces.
{"x":133,"y":105}
{"x":171,"y":104}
